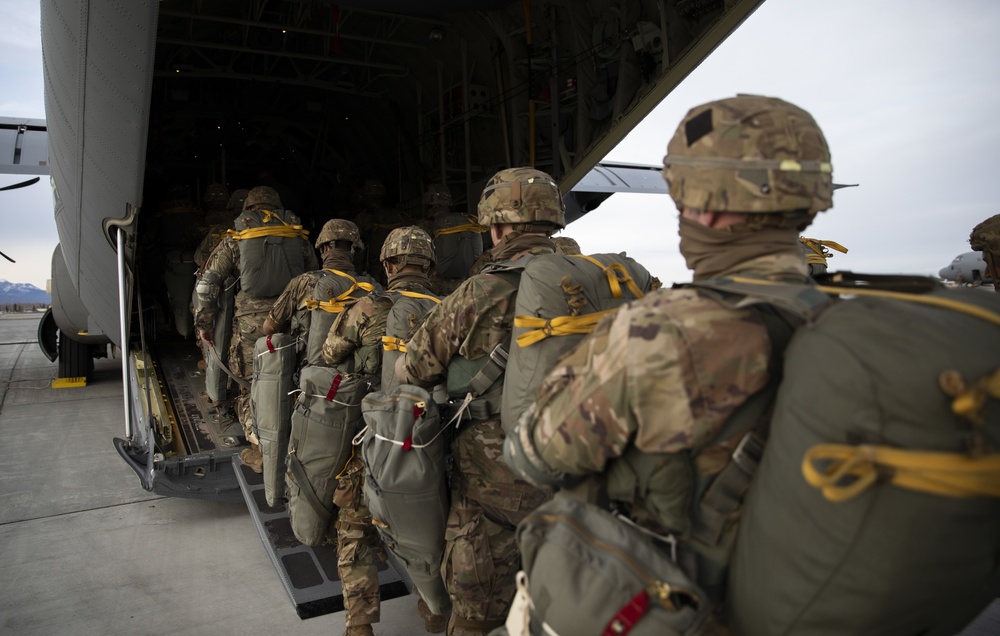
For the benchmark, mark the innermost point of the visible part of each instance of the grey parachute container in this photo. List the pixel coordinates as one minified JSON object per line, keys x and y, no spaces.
{"x":268,"y":262}
{"x":333,"y":290}
{"x":324,"y":421}
{"x":274,"y":362}
{"x":404,"y":450}
{"x":559,"y":300}
{"x":875,"y":507}
{"x":216,"y":379}
{"x":408,"y":310}
{"x":458,"y":242}
{"x":588,"y":572}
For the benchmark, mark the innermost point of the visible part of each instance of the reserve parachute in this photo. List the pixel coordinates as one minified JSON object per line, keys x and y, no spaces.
{"x":876,"y":507}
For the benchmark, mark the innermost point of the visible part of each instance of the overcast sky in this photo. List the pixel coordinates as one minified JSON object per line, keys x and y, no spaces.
{"x":906,"y":91}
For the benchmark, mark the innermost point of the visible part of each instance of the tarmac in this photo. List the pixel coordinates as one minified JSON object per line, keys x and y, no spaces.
{"x":85,"y":550}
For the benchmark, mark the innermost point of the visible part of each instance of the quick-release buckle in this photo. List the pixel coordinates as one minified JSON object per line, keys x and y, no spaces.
{"x":748,"y":452}
{"x":499,"y":356}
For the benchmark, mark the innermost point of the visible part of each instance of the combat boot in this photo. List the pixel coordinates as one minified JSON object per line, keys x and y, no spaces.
{"x":359,"y":630}
{"x":252,"y":459}
{"x":433,"y":623}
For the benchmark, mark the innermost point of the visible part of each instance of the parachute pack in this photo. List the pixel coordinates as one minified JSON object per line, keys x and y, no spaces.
{"x":458,"y":242}
{"x":271,"y":406}
{"x":876,"y":506}
{"x":560,"y":299}
{"x":334,"y":291}
{"x":408,"y":311}
{"x":404,"y":449}
{"x":270,"y":251}
{"x":216,"y":379}
{"x":324,"y":421}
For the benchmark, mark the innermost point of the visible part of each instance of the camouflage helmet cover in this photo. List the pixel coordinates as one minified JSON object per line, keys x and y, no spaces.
{"x":749,"y":154}
{"x":566,"y":245}
{"x":237,"y":199}
{"x":412,"y":243}
{"x":437,"y":195}
{"x":522,"y":195}
{"x":985,"y":237}
{"x":339,"y":230}
{"x":262,"y":197}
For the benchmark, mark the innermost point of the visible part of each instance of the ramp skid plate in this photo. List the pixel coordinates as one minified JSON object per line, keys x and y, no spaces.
{"x":309,"y":574}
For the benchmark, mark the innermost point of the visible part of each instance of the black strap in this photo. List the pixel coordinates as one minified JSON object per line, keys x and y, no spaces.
{"x":725,"y":494}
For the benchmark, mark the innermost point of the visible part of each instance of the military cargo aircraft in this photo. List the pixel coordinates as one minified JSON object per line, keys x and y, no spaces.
{"x":147,"y":95}
{"x":968,"y":268}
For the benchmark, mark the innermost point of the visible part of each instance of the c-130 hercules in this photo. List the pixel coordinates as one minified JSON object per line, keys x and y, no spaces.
{"x":150,"y":93}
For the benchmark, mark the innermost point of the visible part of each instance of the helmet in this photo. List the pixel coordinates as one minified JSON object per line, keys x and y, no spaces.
{"x":412,"y":243}
{"x":260,"y":197}
{"x":566,"y":245}
{"x":237,"y":199}
{"x":339,"y":230}
{"x":749,"y":154}
{"x":521,"y":195}
{"x":373,"y":189}
{"x":216,"y":196}
{"x":437,"y":195}
{"x":985,"y":237}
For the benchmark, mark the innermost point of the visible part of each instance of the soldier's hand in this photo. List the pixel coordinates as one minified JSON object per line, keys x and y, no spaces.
{"x":207,"y":336}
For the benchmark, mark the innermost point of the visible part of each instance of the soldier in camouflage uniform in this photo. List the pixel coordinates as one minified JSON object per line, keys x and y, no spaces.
{"x":566,"y":245}
{"x":375,"y":222}
{"x":457,"y":239}
{"x":522,"y":207}
{"x":250,"y":310}
{"x":218,"y":222}
{"x":407,"y":256}
{"x":985,"y":238}
{"x":662,"y":375}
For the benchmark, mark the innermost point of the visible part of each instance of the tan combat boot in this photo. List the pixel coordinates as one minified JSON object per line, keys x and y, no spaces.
{"x":252,"y":458}
{"x":359,"y":630}
{"x":433,"y":623}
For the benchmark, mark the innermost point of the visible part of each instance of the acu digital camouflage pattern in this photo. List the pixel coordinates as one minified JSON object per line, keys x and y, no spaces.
{"x":749,"y":154}
{"x":521,"y":195}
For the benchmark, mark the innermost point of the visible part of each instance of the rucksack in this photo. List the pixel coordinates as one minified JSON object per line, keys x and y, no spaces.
{"x":408,"y":311}
{"x":458,"y":242}
{"x":270,"y":251}
{"x":216,"y":379}
{"x":333,"y":292}
{"x":876,"y":507}
{"x":560,"y":299}
{"x":404,"y":448}
{"x":271,"y":407}
{"x":324,"y":420}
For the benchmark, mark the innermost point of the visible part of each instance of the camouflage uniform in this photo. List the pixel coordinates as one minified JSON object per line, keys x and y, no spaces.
{"x":488,"y":500}
{"x":566,"y":245}
{"x":249,"y":316}
{"x":985,"y":238}
{"x":663,"y":374}
{"x":357,"y":333}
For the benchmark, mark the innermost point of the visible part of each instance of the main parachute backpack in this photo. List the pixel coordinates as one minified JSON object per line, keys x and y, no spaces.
{"x":458,"y":242}
{"x":876,"y":507}
{"x":334,"y":291}
{"x":408,"y":311}
{"x":560,"y":299}
{"x":270,"y":250}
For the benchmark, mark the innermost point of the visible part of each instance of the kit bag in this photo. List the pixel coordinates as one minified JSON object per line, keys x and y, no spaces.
{"x":271,"y":254}
{"x":587,"y":571}
{"x":404,"y":448}
{"x":560,"y":299}
{"x":876,"y":507}
{"x":216,"y":379}
{"x":325,"y":418}
{"x":271,"y":405}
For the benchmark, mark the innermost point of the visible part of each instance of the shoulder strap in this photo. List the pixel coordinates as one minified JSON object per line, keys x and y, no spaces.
{"x":800,"y":299}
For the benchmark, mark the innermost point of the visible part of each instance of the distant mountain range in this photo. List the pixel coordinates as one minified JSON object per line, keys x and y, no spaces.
{"x":11,"y":293}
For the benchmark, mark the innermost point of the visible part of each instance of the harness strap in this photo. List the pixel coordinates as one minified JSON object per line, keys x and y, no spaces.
{"x":342,"y":301}
{"x":286,"y":230}
{"x":490,"y":372}
{"x":298,"y":472}
{"x":393,"y":344}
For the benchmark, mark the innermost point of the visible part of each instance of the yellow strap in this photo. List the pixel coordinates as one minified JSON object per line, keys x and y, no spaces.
{"x":970,"y":402}
{"x":338,"y":304}
{"x":418,"y":295}
{"x":936,"y":301}
{"x":558,"y":326}
{"x":393,"y":344}
{"x":946,"y":474}
{"x":458,"y":229}
{"x":615,"y":281}
{"x":285,"y":229}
